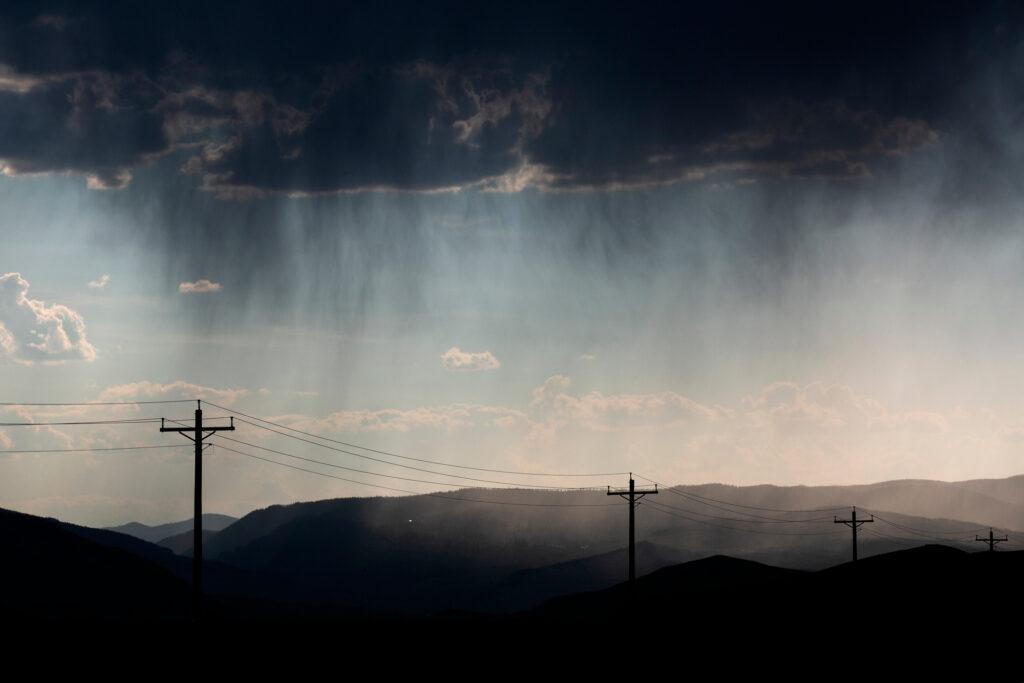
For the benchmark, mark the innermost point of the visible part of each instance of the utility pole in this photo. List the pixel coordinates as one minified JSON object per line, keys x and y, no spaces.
{"x":632,"y":494}
{"x":197,"y":434}
{"x":854,"y":524}
{"x":991,"y":540}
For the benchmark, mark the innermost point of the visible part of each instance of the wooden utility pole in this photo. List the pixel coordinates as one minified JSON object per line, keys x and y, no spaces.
{"x":854,"y":524}
{"x":991,"y":540}
{"x":632,"y":494}
{"x":197,"y":434}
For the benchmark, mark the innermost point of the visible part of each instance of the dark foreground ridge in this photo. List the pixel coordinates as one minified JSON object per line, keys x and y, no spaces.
{"x":920,"y":601}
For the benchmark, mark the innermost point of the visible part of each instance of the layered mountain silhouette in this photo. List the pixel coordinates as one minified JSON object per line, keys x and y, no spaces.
{"x":913,"y":603}
{"x":160,"y":532}
{"x":420,"y":555}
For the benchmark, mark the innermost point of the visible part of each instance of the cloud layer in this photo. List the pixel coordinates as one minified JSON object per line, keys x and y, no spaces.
{"x":477,"y":105}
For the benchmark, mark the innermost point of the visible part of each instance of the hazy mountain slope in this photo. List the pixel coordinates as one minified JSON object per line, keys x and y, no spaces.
{"x":513,"y":534}
{"x":966,"y":501}
{"x":181,"y":544}
{"x":422,"y":553}
{"x":1010,"y":490}
{"x":155,"y":534}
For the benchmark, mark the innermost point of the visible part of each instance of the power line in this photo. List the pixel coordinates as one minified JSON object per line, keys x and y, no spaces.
{"x":755,"y":507}
{"x":139,"y":420}
{"x":906,"y":541}
{"x":90,"y":450}
{"x":405,"y":457}
{"x":927,"y":531}
{"x":101,"y":403}
{"x":421,"y":493}
{"x":759,"y":520}
{"x":767,"y":520}
{"x":379,"y":460}
{"x":657,"y":506}
{"x":391,"y":476}
{"x":922,"y":533}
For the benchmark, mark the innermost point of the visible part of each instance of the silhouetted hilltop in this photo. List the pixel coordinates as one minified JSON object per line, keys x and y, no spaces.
{"x":53,"y":573}
{"x":685,"y":583}
{"x":928,"y":593}
{"x":155,"y":534}
{"x":530,"y":587}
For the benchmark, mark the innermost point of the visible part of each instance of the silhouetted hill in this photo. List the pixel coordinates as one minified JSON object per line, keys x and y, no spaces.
{"x":684,"y":583}
{"x":923,"y":613}
{"x":931,"y":594}
{"x":530,"y":587}
{"x":155,"y":534}
{"x":56,"y":574}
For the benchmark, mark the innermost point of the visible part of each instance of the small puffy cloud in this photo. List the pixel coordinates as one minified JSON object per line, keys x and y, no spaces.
{"x":152,"y":391}
{"x":201,"y":286}
{"x":32,"y":330}
{"x":588,"y":357}
{"x":457,"y":359}
{"x":99,"y":283}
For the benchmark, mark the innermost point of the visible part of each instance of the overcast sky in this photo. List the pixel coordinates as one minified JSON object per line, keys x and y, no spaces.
{"x":735,"y":243}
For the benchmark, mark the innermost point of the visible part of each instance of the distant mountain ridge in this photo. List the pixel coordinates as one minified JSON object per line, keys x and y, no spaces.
{"x":155,"y":534}
{"x":420,"y":554}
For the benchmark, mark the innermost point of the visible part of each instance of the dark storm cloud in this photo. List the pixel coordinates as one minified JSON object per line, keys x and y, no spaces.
{"x":304,"y":98}
{"x":97,"y":124}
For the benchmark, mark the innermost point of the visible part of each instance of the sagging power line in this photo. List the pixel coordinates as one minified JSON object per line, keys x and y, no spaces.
{"x":442,"y":496}
{"x":396,"y":455}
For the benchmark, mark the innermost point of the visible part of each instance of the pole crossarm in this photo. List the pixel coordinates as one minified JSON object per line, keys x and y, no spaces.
{"x":991,"y":540}
{"x":188,"y":432}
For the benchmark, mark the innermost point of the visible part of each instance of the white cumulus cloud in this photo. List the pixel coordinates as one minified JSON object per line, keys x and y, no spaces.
{"x":201,"y":286}
{"x":32,"y":330}
{"x":457,"y":359}
{"x":100,"y":282}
